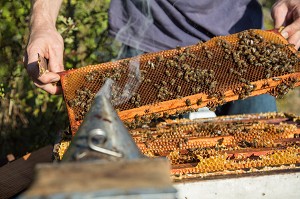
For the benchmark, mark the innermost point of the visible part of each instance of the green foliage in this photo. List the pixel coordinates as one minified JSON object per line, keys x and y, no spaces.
{"x":30,"y":118}
{"x":266,"y":5}
{"x":2,"y":93}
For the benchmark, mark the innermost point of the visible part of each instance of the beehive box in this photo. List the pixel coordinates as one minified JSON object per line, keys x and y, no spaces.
{"x":221,"y":146}
{"x":224,"y":145}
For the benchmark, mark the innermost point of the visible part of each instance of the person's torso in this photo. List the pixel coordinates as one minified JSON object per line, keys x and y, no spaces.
{"x":153,"y":25}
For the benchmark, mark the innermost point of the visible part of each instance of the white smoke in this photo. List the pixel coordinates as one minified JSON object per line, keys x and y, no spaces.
{"x":113,"y":90}
{"x":118,"y":95}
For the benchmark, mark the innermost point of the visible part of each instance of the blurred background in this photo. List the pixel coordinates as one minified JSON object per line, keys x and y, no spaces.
{"x":29,"y":117}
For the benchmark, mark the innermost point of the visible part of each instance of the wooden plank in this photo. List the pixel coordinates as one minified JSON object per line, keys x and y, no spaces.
{"x":102,"y":178}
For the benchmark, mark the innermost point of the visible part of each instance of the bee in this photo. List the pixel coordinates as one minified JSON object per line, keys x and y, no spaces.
{"x":166,"y":115}
{"x":200,"y":43}
{"x":132,"y":100}
{"x":192,"y":55}
{"x":155,"y":116}
{"x":199,"y":101}
{"x":136,"y":117}
{"x":168,"y":73}
{"x":138,"y":97}
{"x":132,"y":125}
{"x":268,"y":75}
{"x":213,"y":85}
{"x":89,"y":78}
{"x":172,"y":82}
{"x":193,"y":89}
{"x":276,"y":78}
{"x":178,"y":97}
{"x":209,"y":56}
{"x":226,"y":45}
{"x":243,"y":80}
{"x":169,"y":63}
{"x":220,"y":141}
{"x":71,"y":103}
{"x":242,"y":96}
{"x":178,"y":89}
{"x":156,"y":86}
{"x":179,"y":74}
{"x":159,"y":58}
{"x":227,"y":51}
{"x":124,"y":62}
{"x":178,"y":112}
{"x":188,"y":102}
{"x":259,"y":37}
{"x":77,"y":102}
{"x":218,"y":64}
{"x":89,"y":101}
{"x":148,"y":80}
{"x":182,"y":57}
{"x":132,"y":76}
{"x":160,"y":96}
{"x":237,"y":73}
{"x":186,"y":67}
{"x":186,"y":78}
{"x":212,"y":105}
{"x":212,"y":95}
{"x":178,"y":48}
{"x":187,"y":50}
{"x":241,"y":35}
{"x":186,"y":140}
{"x":137,"y":104}
{"x":219,"y":42}
{"x":151,"y":64}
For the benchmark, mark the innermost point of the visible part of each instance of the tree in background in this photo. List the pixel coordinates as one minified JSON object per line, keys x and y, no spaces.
{"x":30,"y":118}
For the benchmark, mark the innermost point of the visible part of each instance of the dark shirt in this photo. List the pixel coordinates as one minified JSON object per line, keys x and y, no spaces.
{"x":154,"y":25}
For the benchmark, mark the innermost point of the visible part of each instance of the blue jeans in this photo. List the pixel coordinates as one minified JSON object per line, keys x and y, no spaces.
{"x":257,"y":104}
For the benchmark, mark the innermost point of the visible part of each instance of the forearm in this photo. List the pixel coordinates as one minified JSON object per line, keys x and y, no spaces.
{"x":44,"y":12}
{"x":45,"y":40}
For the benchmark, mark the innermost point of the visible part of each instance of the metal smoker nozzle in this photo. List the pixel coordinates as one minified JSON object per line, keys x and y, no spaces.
{"x":102,"y":136}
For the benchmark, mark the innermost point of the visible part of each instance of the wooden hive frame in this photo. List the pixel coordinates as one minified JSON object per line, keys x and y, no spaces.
{"x":220,"y":63}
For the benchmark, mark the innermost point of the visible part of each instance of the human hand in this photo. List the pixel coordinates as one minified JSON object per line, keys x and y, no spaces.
{"x":48,"y":43}
{"x":287,"y":13}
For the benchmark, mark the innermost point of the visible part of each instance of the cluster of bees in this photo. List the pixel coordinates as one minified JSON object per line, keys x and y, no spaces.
{"x":218,"y":145}
{"x":283,"y":88}
{"x":209,"y":68}
{"x":82,"y":102}
{"x":254,"y":51}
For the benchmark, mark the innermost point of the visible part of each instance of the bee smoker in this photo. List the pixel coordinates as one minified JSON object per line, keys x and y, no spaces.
{"x":103,"y":161}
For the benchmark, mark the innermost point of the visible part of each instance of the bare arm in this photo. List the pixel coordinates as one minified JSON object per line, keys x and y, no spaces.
{"x":287,"y":13}
{"x":46,"y":41}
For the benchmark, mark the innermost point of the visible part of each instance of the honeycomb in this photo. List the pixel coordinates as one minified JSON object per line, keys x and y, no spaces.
{"x":184,"y":79}
{"x":222,"y":145}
